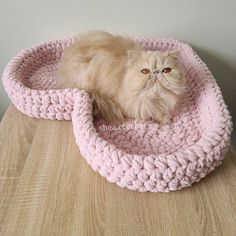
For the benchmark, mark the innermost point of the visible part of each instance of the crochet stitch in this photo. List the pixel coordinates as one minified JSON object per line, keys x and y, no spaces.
{"x":143,"y":156}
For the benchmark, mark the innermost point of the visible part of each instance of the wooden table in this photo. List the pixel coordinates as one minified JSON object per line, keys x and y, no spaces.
{"x":47,"y":188}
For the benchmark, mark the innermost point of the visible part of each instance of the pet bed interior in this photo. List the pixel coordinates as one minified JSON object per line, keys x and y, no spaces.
{"x":144,"y":156}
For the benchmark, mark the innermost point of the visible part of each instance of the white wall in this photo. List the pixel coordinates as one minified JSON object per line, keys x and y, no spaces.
{"x":208,"y":25}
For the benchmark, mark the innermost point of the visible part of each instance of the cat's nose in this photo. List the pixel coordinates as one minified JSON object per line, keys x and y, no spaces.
{"x":156,"y":71}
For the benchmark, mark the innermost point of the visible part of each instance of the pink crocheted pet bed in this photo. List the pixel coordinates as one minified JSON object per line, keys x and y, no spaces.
{"x":143,"y":156}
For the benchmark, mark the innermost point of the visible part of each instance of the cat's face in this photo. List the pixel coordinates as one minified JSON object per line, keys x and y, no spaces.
{"x":154,"y":72}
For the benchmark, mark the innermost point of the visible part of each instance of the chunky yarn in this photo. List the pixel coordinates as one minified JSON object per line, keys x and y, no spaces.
{"x":143,"y":156}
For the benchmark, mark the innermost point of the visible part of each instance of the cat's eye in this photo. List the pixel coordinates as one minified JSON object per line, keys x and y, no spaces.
{"x":145,"y":71}
{"x":167,"y":70}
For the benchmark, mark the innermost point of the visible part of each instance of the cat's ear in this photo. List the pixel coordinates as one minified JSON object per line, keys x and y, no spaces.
{"x":175,"y":53}
{"x":132,"y":55}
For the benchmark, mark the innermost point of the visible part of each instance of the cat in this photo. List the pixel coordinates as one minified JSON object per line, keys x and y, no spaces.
{"x":123,"y":79}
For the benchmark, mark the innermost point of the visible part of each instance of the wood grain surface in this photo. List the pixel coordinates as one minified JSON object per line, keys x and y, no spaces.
{"x":47,"y":188}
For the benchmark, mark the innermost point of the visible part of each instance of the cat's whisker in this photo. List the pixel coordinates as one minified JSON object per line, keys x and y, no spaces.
{"x":165,"y":79}
{"x":171,"y":85}
{"x":146,"y":86}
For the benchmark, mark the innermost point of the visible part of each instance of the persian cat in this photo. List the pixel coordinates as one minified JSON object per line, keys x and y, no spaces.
{"x":123,"y":79}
